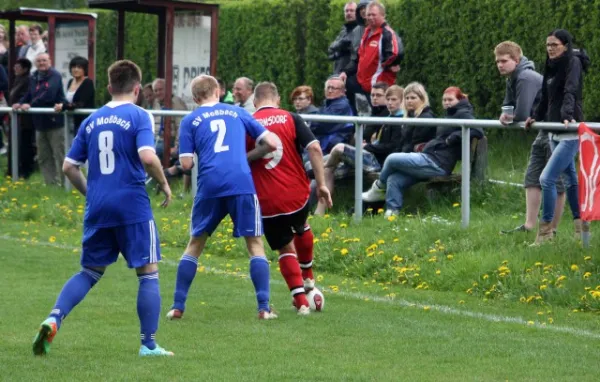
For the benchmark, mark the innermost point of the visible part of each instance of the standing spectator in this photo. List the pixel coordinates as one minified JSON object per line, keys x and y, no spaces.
{"x":37,"y":45}
{"x":225,"y":95}
{"x":80,"y":91}
{"x":340,"y":50}
{"x":302,"y":98}
{"x":23,"y":40}
{"x":243,"y":94}
{"x":148,"y":95}
{"x":562,"y":101}
{"x":3,"y":92}
{"x":388,"y":141}
{"x":46,"y":90}
{"x":403,"y":170}
{"x":379,"y":54}
{"x":3,"y":48}
{"x":330,"y":134}
{"x":158,"y":85}
{"x":26,"y":132}
{"x":523,"y":85}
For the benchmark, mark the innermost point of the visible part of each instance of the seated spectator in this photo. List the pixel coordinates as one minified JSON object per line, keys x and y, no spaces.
{"x":388,"y":140}
{"x":402,"y":170}
{"x":379,"y":109}
{"x":416,"y":104}
{"x":225,"y":95}
{"x":243,"y":94}
{"x":148,"y":95}
{"x":26,"y":132}
{"x":302,"y":97}
{"x":80,"y":91}
{"x":330,"y":134}
{"x":158,"y":85}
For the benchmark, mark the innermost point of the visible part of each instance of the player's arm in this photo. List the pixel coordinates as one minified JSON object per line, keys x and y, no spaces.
{"x":312,"y":146}
{"x":145,"y":143}
{"x":263,"y":146}
{"x":75,"y":176}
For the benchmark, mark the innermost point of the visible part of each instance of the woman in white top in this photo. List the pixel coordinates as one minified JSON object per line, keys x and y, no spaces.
{"x":80,"y":91}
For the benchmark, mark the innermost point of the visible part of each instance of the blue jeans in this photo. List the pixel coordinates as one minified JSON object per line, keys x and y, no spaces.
{"x":402,"y":170}
{"x":562,"y":161}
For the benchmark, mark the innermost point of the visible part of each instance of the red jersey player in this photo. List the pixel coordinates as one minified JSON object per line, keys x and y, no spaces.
{"x":283,"y":189}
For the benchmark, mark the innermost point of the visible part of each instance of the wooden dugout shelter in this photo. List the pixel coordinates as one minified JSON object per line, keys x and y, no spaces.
{"x":166,"y":11}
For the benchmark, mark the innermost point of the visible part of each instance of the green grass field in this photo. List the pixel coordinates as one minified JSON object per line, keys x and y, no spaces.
{"x":414,"y":298}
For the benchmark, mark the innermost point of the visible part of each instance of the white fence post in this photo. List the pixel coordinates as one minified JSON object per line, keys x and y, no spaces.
{"x":358,"y":172}
{"x":465,"y":189}
{"x":14,"y":145}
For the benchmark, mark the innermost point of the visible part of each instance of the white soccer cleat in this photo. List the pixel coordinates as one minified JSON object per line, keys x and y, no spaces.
{"x":267,"y":315}
{"x":375,"y":193}
{"x":303,"y":311}
{"x":309,"y":284}
{"x":174,"y":314}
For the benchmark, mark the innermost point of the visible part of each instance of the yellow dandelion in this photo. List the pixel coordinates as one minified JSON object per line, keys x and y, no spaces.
{"x":344,"y":252}
{"x":561,"y":278}
{"x":380,"y":241}
{"x":587,"y":258}
{"x":550,"y":320}
{"x":538,"y":264}
{"x":456,"y":205}
{"x":530,"y":323}
{"x":523,"y":299}
{"x":320,"y":278}
{"x":438,"y":272}
{"x":543,"y":287}
{"x":315,"y":240}
{"x":485,"y":277}
{"x":587,"y":275}
{"x":380,"y":210}
{"x":391,"y":218}
{"x":574,"y":267}
{"x":326,"y":216}
{"x":461,"y":302}
{"x":427,"y":308}
{"x":52,"y":239}
{"x":450,"y":257}
{"x":343,"y":225}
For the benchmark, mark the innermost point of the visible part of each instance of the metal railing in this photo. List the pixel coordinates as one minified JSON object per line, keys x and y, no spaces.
{"x":464,"y":124}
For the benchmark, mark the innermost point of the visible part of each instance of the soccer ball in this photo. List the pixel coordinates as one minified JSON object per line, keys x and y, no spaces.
{"x":316,"y":300}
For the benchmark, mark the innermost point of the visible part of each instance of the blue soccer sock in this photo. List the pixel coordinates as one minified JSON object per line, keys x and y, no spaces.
{"x":259,"y":273}
{"x":148,"y":307}
{"x":186,"y":271}
{"x":73,"y":292}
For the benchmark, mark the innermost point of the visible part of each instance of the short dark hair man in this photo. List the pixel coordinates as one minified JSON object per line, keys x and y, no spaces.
{"x":523,"y":86}
{"x":340,"y":50}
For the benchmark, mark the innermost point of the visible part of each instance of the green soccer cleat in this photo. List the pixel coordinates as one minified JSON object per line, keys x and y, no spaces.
{"x":43,"y":339}
{"x":157,"y":351}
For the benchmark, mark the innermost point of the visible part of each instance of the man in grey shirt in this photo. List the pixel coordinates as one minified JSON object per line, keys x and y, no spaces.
{"x":243,"y":94}
{"x":523,"y":86}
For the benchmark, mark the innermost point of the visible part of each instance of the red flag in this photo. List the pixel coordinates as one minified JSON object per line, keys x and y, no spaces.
{"x":589,"y":173}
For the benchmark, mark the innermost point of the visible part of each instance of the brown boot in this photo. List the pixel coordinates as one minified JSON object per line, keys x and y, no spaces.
{"x":544,"y":234}
{"x":578,"y":224}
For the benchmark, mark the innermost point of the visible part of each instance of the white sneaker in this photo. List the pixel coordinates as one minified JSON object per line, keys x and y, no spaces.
{"x":389,"y":213}
{"x":375,"y":193}
{"x":174,"y":314}
{"x":309,"y":284}
{"x":3,"y":151}
{"x":264,"y":315}
{"x":304,"y":310}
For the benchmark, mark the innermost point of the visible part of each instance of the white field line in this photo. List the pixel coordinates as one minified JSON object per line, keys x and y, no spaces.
{"x":386,"y":300}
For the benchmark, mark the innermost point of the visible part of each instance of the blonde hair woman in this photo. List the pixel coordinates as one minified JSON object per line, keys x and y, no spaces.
{"x":416,"y":105}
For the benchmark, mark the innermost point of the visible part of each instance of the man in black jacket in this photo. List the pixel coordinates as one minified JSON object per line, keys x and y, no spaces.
{"x":46,"y":90}
{"x":340,"y":50}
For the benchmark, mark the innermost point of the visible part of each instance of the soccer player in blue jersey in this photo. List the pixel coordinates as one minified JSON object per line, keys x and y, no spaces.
{"x":118,"y":143}
{"x":216,"y":132}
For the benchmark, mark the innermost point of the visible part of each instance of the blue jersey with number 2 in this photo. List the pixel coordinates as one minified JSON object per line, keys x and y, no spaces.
{"x":110,"y":140}
{"x":217,"y":134}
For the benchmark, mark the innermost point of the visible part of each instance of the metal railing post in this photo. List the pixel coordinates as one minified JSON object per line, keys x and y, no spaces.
{"x":66,"y":182}
{"x":194,"y":175}
{"x":358,"y":172}
{"x":14,"y":146}
{"x":465,"y":189}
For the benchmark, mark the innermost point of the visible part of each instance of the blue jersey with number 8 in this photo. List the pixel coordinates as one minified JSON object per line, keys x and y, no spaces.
{"x":217,"y":134}
{"x":110,"y":140}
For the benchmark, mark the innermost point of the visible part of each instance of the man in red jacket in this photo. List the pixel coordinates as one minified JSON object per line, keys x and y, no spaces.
{"x":379,"y":54}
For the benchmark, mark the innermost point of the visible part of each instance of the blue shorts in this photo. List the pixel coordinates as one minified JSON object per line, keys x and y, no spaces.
{"x":138,"y":243}
{"x":243,"y":209}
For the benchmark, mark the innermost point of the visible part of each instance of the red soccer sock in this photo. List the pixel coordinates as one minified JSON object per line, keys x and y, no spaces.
{"x":290,"y":270}
{"x":304,"y":246}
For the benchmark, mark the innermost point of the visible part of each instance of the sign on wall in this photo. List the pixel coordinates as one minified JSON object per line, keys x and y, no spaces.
{"x":71,"y":40}
{"x":191,"y":52}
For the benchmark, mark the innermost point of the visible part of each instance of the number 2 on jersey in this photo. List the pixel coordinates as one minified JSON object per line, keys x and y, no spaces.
{"x":218,"y":126}
{"x":107,"y":155}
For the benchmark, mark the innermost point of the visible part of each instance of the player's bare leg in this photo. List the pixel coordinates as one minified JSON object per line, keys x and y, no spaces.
{"x":291,"y":272}
{"x":333,"y":160}
{"x":186,"y":271}
{"x":259,"y":273}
